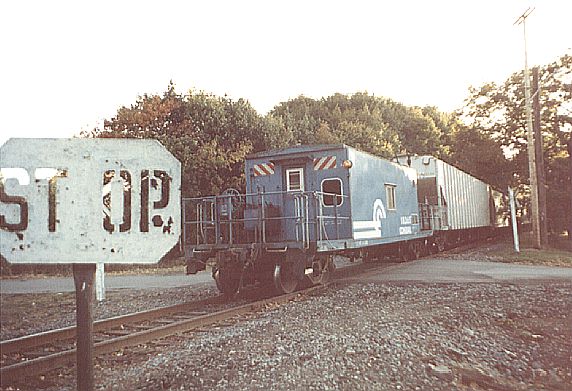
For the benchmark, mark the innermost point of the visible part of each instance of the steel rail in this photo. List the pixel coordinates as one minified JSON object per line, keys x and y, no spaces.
{"x":48,"y":337}
{"x":65,"y":333}
{"x":12,"y":373}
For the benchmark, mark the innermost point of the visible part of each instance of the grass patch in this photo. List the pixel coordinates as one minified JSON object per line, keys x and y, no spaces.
{"x":557,"y":253}
{"x":532,"y":256}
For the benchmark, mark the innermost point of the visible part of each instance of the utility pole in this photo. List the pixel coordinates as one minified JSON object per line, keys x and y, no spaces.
{"x":538,"y":142}
{"x":535,"y":215}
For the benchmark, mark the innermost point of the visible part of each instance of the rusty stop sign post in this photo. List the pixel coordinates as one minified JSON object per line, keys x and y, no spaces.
{"x":83,"y":201}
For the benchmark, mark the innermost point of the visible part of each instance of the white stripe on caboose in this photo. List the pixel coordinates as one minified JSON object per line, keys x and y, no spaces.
{"x":367,"y":234}
{"x":366,"y":225}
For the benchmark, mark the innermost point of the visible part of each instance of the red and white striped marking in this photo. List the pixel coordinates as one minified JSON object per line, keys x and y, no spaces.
{"x":263,"y":169}
{"x":324,"y":163}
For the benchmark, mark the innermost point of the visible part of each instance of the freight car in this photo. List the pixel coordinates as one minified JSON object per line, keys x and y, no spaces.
{"x":307,"y":203}
{"x":467,"y":207}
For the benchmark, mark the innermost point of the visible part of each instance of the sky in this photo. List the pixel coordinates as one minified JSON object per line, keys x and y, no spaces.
{"x":68,"y":65}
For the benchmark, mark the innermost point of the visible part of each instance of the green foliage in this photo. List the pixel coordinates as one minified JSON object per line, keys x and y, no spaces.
{"x":373,"y":124}
{"x":209,"y":135}
{"x":447,"y":124}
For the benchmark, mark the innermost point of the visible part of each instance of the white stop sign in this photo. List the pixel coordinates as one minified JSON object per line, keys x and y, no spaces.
{"x":88,"y":200}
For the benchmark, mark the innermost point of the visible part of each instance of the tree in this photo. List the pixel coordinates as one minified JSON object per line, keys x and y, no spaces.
{"x":499,"y":111}
{"x":374,"y":124}
{"x":480,"y":156}
{"x":447,"y":124}
{"x":209,"y":135}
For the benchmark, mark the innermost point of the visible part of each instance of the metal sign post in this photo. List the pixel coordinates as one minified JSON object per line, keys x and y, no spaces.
{"x":83,"y":275}
{"x":79,"y":200}
{"x":513,"y":220}
{"x":100,"y":282}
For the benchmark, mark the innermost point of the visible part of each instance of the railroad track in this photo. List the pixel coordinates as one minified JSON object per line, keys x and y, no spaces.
{"x":44,"y":352}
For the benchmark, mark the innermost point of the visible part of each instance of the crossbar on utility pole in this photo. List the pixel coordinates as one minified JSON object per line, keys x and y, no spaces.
{"x":535,"y":218}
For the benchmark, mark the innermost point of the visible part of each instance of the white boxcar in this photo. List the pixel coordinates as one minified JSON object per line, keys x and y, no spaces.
{"x":467,"y":200}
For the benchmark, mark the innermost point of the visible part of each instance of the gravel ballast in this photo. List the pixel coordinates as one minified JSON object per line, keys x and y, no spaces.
{"x":369,"y":336}
{"x":382,"y":336}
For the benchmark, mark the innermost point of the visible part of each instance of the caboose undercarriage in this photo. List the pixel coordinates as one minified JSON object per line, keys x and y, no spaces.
{"x":284,"y":268}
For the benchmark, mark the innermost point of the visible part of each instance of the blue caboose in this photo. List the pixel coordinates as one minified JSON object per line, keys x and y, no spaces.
{"x":302,"y":205}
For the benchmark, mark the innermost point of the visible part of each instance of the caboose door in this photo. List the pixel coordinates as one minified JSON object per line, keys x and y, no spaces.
{"x":334,"y":209}
{"x":295,"y":225}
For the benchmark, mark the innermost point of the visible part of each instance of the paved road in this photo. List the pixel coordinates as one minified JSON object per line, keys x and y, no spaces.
{"x":425,"y":270}
{"x":112,"y":282}
{"x":440,"y":270}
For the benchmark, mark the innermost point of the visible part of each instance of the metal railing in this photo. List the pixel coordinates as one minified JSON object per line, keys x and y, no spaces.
{"x":434,"y":217}
{"x":265,"y":217}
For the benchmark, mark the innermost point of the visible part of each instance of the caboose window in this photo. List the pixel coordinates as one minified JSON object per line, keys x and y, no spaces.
{"x":332,"y":189}
{"x":390,"y":195}
{"x":295,"y":179}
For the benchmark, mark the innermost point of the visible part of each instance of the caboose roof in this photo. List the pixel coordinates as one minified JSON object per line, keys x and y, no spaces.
{"x":298,"y":149}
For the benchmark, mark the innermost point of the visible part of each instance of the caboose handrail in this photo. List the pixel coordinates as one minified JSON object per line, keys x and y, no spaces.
{"x":261,"y":217}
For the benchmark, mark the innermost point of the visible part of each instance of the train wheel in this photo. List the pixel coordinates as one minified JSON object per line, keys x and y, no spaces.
{"x":227,"y":282}
{"x":285,"y":280}
{"x":327,"y":268}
